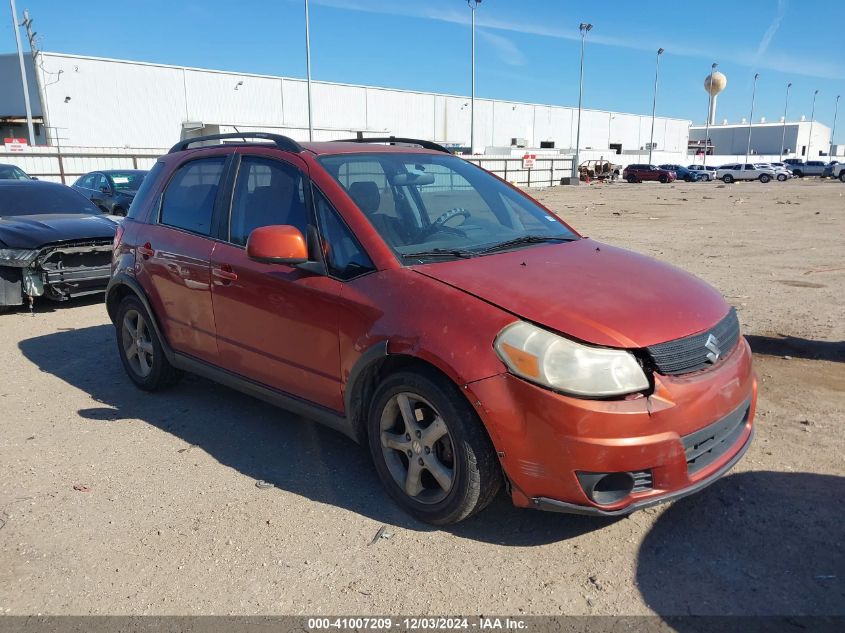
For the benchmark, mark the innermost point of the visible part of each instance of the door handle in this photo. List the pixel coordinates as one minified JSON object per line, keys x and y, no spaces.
{"x":146,"y":251}
{"x":224,"y":272}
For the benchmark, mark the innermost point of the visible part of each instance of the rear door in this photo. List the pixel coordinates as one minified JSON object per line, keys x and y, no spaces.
{"x":174,"y":259}
{"x":276,"y":324}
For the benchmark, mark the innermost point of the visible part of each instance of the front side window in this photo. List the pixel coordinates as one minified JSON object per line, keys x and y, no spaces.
{"x":188,"y":200}
{"x":11,"y":172}
{"x":86,"y":182}
{"x":436,"y":205}
{"x":345,"y":258}
{"x":267,"y":192}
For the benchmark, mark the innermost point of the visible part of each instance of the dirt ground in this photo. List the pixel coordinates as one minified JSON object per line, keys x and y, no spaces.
{"x":169,"y":519}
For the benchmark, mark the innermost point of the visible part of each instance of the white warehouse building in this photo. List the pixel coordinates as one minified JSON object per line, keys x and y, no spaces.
{"x":88,"y":101}
{"x":766,"y":138}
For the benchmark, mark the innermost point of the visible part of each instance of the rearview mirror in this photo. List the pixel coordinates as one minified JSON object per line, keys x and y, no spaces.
{"x":401,"y":180}
{"x":278,"y":244}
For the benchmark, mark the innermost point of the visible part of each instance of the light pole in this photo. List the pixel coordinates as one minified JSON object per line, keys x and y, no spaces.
{"x":473,"y":5}
{"x":833,"y":132}
{"x":654,"y":102}
{"x":783,"y":133}
{"x":709,"y":105}
{"x":308,"y":73}
{"x":751,"y":119}
{"x":24,"y":82}
{"x":584,"y":28}
{"x":812,"y":120}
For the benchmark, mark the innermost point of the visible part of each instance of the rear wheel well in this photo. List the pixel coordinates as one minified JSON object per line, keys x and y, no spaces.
{"x":114,"y":297}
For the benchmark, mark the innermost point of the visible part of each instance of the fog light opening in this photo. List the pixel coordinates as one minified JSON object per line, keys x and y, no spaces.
{"x":607,"y":488}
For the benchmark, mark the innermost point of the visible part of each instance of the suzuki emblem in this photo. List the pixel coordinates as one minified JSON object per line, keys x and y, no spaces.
{"x":713,"y":345}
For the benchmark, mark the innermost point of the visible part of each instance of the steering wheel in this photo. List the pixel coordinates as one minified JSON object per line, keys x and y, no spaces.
{"x":439,"y":224}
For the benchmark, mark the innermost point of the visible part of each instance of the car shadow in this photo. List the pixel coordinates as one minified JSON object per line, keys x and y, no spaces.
{"x":754,"y":543}
{"x":797,"y":347}
{"x":265,"y":443}
{"x":43,"y":305}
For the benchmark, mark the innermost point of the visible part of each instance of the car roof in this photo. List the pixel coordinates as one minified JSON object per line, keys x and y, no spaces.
{"x":31,"y":183}
{"x":337,"y":147}
{"x":119,"y":171}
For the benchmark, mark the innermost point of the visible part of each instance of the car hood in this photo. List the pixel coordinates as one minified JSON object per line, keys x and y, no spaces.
{"x":590,"y":291}
{"x":33,"y":231}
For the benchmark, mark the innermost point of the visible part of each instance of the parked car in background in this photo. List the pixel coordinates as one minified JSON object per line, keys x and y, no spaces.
{"x":112,"y":190}
{"x":13,"y":172}
{"x":707,"y":173}
{"x":641,"y":172}
{"x":792,"y":161}
{"x":808,"y":168}
{"x":53,"y":242}
{"x":296,"y":273}
{"x":687,"y":175}
{"x":837,"y":170}
{"x":781,"y":173}
{"x":739,"y":171}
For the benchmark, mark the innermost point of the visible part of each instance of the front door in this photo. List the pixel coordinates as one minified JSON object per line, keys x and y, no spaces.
{"x":276,"y":324}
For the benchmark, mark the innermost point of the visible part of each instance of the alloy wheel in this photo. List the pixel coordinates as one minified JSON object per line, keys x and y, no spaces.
{"x":137,"y":343}
{"x":417,"y":448}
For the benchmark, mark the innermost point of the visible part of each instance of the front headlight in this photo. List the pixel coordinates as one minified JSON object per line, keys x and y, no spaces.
{"x":17,"y":257}
{"x":559,"y":363}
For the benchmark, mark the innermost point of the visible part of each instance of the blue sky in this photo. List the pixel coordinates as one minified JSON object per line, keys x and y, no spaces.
{"x":527,"y":50}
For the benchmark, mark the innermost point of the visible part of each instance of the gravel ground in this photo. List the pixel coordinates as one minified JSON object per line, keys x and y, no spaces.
{"x":114,"y":501}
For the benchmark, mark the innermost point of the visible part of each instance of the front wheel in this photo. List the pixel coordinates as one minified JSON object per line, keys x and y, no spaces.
{"x":663,"y":179}
{"x":631,"y":179}
{"x":765,"y":178}
{"x":728,"y":179}
{"x":781,"y":177}
{"x":842,"y":175}
{"x":798,"y":173}
{"x":430,"y":449}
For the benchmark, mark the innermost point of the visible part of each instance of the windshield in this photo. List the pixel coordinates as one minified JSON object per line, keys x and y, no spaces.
{"x":128,"y":180}
{"x":441,"y":205}
{"x":10,"y":172}
{"x":36,"y":199}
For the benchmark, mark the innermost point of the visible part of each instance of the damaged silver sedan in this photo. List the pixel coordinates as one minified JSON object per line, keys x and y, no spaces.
{"x":53,"y":243}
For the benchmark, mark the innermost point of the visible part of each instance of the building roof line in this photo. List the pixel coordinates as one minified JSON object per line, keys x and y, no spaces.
{"x":348,"y":85}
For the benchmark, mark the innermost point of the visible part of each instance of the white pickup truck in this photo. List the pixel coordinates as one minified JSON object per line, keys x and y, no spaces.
{"x":747,"y":171}
{"x":838,"y":171}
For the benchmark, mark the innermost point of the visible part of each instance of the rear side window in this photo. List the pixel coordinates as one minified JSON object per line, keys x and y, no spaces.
{"x":140,"y":200}
{"x":188,"y":201}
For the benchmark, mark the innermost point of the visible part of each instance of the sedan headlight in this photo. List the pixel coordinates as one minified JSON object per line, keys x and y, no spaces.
{"x":559,"y":363}
{"x":17,"y":257}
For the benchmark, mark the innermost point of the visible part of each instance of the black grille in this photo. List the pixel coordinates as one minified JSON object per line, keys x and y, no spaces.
{"x":685,"y":355}
{"x":708,"y":444}
{"x":642,"y":480}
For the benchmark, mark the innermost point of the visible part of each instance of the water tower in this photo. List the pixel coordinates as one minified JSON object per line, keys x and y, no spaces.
{"x":714,"y":83}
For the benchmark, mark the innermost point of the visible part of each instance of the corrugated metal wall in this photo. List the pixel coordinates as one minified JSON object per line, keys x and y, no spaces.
{"x":101,"y":102}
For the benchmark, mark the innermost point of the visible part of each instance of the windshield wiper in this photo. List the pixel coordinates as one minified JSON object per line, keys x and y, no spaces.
{"x":439,"y":252}
{"x":526,"y":239}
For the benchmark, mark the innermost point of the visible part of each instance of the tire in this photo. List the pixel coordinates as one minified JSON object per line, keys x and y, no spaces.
{"x":687,"y":178}
{"x":727,"y":179}
{"x":781,"y":177}
{"x":798,"y":173}
{"x":842,"y":175}
{"x":765,"y":178}
{"x":632,"y":179}
{"x":663,"y":179}
{"x":454,"y":493}
{"x":149,"y":368}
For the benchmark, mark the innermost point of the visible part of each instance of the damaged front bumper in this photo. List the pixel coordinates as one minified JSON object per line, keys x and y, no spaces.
{"x":56,"y":271}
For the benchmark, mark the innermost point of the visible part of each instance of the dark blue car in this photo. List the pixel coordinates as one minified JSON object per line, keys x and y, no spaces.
{"x":683,"y":173}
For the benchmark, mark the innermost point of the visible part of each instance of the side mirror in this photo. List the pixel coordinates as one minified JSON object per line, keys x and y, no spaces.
{"x":279,"y":244}
{"x":33,"y":177}
{"x":105,"y":189}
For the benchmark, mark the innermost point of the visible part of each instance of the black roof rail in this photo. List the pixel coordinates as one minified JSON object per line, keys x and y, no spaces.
{"x":393,"y":140}
{"x":282,"y":142}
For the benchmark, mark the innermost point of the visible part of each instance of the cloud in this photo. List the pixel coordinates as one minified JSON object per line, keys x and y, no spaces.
{"x":506,"y":50}
{"x":763,"y":46}
{"x":760,"y":59}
